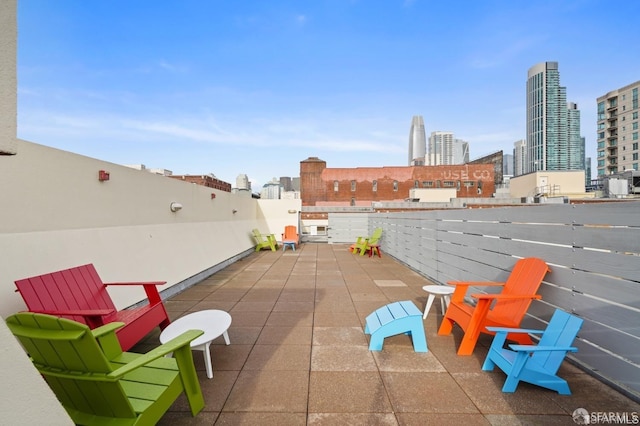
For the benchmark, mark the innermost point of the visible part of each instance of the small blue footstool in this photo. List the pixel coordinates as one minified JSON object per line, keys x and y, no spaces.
{"x":396,"y":318}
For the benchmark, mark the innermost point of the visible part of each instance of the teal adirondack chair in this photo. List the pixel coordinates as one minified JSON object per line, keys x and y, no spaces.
{"x":362,"y":244}
{"x":96,"y":382}
{"x":535,"y":364}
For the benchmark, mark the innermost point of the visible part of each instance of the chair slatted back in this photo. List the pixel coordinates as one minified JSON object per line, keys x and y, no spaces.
{"x":76,"y":288}
{"x":290,"y":234}
{"x":560,"y":332}
{"x":68,"y":355}
{"x":525,"y":279}
{"x":375,"y":237}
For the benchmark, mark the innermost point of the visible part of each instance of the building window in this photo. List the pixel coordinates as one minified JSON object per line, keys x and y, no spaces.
{"x":635,"y":126}
{"x":469,"y":184}
{"x":395,"y":185}
{"x":448,"y":184}
{"x":353,"y":201}
{"x":335,"y":186}
{"x":427,"y":184}
{"x":416,"y":184}
{"x":634,"y":116}
{"x":353,"y":186}
{"x":635,"y":136}
{"x":634,"y":146}
{"x":635,"y":156}
{"x":375,"y":186}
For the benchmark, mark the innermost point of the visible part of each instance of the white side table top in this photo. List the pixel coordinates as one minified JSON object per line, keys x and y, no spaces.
{"x":438,"y":289}
{"x":213,"y":322}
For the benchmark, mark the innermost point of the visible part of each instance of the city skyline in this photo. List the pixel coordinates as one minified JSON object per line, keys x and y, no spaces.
{"x":200,"y":88}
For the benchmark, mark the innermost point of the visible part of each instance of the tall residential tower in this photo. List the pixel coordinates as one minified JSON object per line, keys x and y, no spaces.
{"x":553,"y":125}
{"x":618,"y":130}
{"x":417,"y":142}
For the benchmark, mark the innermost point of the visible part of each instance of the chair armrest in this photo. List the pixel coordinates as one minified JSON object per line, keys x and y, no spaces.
{"x":150,"y":288}
{"x":461,"y":288}
{"x":475,"y":283}
{"x":530,"y":348}
{"x":79,"y":312}
{"x":171,"y":346}
{"x":514,"y":330}
{"x":506,"y":296}
{"x":106,"y":329}
{"x":138,"y":283}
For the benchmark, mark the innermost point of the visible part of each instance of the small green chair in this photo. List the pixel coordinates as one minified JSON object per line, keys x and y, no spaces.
{"x":363,"y":243}
{"x":96,"y":382}
{"x":261,"y":243}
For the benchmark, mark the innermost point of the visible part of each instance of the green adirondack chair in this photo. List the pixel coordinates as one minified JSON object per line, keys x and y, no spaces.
{"x":96,"y":382}
{"x":261,"y":243}
{"x":363,"y":243}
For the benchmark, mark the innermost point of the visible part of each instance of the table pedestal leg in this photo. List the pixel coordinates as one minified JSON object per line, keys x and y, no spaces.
{"x":428,"y":306}
{"x":207,"y":360}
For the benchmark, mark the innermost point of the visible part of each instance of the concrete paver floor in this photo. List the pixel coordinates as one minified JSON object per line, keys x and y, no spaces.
{"x":298,"y":354}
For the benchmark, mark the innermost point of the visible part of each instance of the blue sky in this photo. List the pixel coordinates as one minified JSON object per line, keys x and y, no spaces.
{"x":231,"y":87}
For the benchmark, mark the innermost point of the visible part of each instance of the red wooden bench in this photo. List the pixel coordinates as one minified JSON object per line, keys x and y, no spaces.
{"x":79,"y":294}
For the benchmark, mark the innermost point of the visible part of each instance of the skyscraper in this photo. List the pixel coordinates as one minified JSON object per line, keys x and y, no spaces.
{"x":417,"y":142}
{"x":507,"y":165}
{"x":460,"y":152}
{"x":519,"y":157}
{"x":444,"y":149}
{"x":438,"y":141}
{"x":553,"y":125}
{"x":575,"y":142}
{"x":546,"y":118}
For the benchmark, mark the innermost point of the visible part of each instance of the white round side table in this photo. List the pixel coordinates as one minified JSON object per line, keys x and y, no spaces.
{"x":437,"y":290}
{"x":213,"y":322}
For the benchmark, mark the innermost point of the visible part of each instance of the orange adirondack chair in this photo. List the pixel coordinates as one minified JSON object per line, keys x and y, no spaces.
{"x":291,"y":234}
{"x":508,"y":310}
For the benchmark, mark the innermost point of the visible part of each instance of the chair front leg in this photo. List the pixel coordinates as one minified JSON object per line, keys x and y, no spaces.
{"x":190,"y":381}
{"x":472,"y":332}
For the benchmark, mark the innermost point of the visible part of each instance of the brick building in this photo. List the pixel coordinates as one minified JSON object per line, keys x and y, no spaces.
{"x":205,"y":180}
{"x":361,"y":186}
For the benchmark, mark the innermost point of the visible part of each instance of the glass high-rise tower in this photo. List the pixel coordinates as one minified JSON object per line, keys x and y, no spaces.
{"x":417,"y":142}
{"x":546,"y":118}
{"x":553,"y":125}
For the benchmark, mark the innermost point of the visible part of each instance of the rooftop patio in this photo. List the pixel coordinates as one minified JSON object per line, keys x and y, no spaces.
{"x":298,"y":354}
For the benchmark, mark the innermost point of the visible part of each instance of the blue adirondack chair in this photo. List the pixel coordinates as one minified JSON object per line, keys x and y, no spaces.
{"x":535,"y":364}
